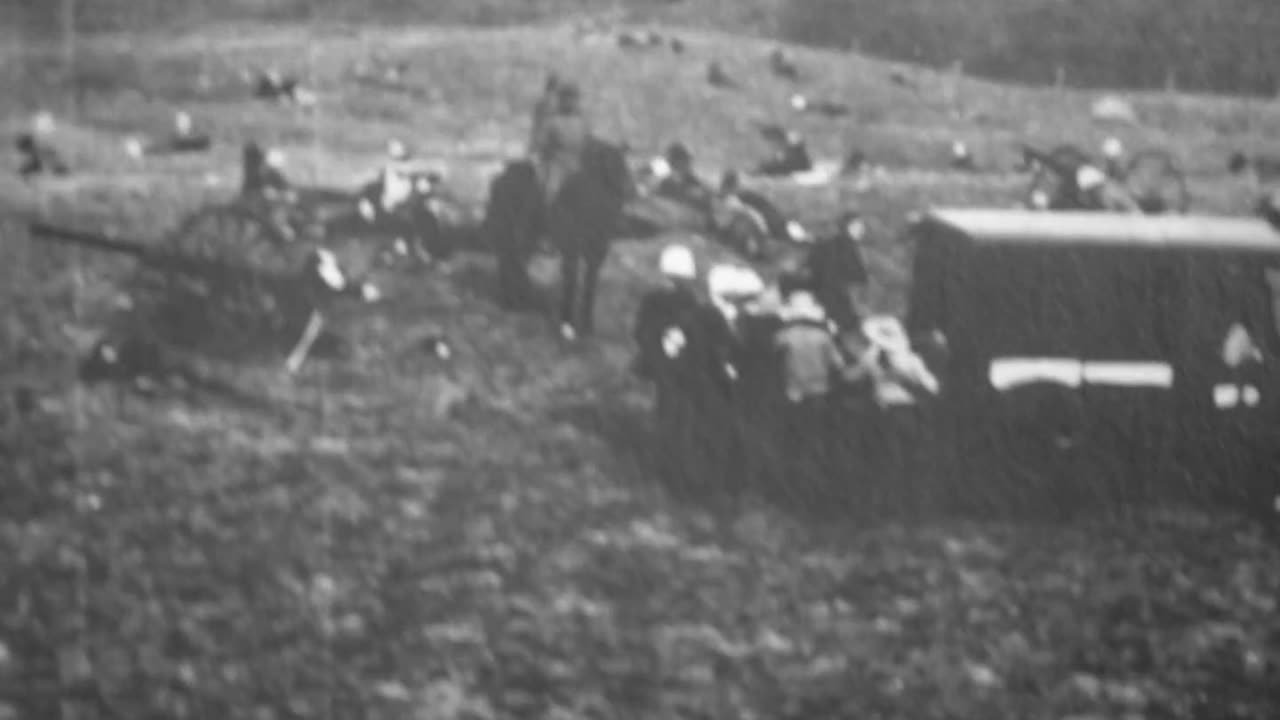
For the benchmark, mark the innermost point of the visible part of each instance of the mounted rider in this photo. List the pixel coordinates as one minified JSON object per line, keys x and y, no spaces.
{"x":560,"y":133}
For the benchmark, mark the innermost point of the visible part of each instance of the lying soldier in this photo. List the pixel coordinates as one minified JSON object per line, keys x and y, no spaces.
{"x":184,"y":139}
{"x":274,"y":85}
{"x":680,"y":182}
{"x":738,"y":198}
{"x":791,"y":158}
{"x":37,"y":159}
{"x":1101,"y":193}
{"x":263,"y":174}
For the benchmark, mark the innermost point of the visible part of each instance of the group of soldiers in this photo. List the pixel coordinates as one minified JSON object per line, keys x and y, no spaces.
{"x":755,"y":377}
{"x":1087,"y":185}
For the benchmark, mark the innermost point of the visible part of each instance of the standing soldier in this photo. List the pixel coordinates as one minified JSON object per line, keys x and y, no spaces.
{"x":838,"y":273}
{"x":560,"y":138}
{"x":542,"y":110}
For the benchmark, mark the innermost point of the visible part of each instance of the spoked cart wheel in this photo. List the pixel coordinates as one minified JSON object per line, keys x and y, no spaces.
{"x":1048,"y":185}
{"x":230,"y":311}
{"x":1157,"y":182}
{"x":234,"y":235}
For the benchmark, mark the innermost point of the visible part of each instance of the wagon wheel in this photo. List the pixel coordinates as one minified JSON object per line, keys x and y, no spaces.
{"x":235,"y":235}
{"x":1157,"y":183}
{"x":242,"y":312}
{"x":1047,"y":185}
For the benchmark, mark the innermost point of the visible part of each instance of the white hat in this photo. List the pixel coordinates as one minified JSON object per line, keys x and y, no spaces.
{"x":799,"y":102}
{"x":796,"y":232}
{"x":43,"y":122}
{"x":182,"y":121}
{"x":396,"y":149}
{"x":660,"y":168}
{"x":731,"y":281}
{"x":677,"y":261}
{"x":959,"y":149}
{"x":275,"y":158}
{"x":886,"y":333}
{"x":1089,"y":177}
{"x":1112,"y":148}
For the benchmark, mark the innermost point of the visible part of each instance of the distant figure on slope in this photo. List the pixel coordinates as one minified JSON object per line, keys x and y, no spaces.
{"x":36,"y":158}
{"x":790,"y":158}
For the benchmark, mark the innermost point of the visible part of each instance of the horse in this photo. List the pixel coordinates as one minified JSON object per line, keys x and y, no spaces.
{"x":514,"y":219}
{"x":581,"y":221}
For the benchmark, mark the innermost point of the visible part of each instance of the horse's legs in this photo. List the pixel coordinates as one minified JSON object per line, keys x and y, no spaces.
{"x":593,"y":264}
{"x":570,"y":266}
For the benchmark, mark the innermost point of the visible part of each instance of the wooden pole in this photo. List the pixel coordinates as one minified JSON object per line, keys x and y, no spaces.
{"x":69,"y":42}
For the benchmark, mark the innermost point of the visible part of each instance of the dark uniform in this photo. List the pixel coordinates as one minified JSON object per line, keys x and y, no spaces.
{"x":660,"y":310}
{"x":834,"y":268}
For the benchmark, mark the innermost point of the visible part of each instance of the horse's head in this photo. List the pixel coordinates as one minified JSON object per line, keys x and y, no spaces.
{"x":606,"y":163}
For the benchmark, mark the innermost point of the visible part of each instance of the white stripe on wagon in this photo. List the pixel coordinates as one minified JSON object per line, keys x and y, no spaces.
{"x":1129,"y":374}
{"x":1010,"y":372}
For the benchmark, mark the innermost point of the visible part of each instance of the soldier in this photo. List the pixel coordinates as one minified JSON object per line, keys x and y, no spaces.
{"x":838,"y":274}
{"x":1113,"y":157}
{"x":560,"y":139}
{"x":681,"y":183}
{"x":899,"y":377}
{"x":1098,"y":192}
{"x":663,"y":309}
{"x":792,"y":157}
{"x":812,"y":366}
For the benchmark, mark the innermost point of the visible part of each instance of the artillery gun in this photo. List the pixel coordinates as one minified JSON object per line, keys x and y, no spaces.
{"x":1152,"y":178}
{"x":199,"y":295}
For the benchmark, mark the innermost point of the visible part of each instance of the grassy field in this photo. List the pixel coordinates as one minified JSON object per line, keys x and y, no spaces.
{"x":403,"y":538}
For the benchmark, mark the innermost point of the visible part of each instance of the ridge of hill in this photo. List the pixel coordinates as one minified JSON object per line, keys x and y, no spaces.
{"x":1206,"y":45}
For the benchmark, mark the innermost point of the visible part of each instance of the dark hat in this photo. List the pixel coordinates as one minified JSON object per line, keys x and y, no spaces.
{"x":678,"y":154}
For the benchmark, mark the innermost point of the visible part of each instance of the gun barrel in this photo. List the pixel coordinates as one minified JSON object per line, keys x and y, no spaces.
{"x":88,"y":239}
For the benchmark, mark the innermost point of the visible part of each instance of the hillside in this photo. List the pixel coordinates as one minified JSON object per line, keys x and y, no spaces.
{"x":494,"y":537}
{"x":1205,"y":45}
